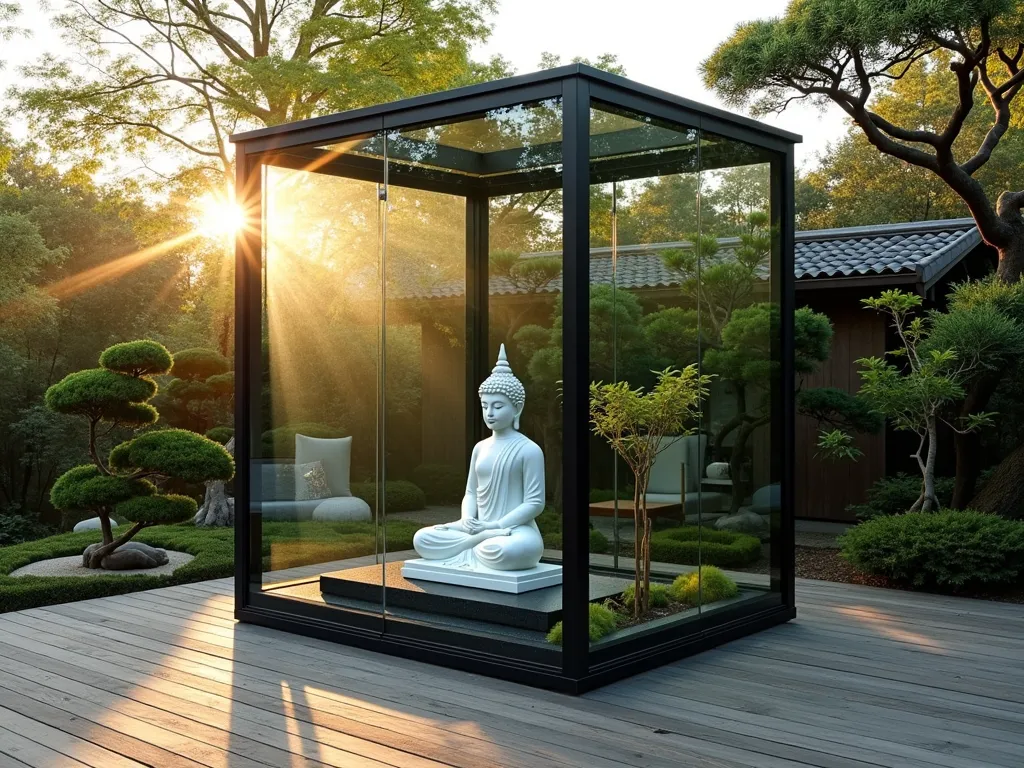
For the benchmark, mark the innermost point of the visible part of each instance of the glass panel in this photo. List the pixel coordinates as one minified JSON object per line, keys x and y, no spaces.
{"x":485,"y":493}
{"x":739,"y":314}
{"x":314,"y":475}
{"x":643,"y":318}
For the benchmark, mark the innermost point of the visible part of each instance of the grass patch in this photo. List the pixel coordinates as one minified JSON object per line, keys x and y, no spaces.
{"x":285,"y":545}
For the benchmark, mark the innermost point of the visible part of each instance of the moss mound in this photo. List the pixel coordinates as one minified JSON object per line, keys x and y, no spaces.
{"x":603,"y":621}
{"x":709,"y":585}
{"x":693,"y":545}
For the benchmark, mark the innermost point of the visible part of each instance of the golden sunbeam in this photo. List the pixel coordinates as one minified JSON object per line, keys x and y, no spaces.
{"x":90,"y":278}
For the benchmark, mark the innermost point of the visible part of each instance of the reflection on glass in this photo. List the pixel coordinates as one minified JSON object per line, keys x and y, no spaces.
{"x":681,"y":245}
{"x":314,"y":473}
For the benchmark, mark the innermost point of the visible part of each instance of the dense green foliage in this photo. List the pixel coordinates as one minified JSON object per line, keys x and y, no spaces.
{"x":137,"y":358}
{"x":86,"y":487}
{"x":945,"y":550}
{"x":549,"y":522}
{"x":603,"y":621}
{"x":199,"y":363}
{"x":99,"y":393}
{"x":708,"y":585}
{"x":174,"y":452}
{"x":159,"y":509}
{"x":660,"y":596}
{"x":693,"y":545}
{"x":896,"y":495}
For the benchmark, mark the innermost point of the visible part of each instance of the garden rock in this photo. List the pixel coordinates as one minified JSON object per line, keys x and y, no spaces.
{"x":132,"y":555}
{"x":92,"y":524}
{"x":743,"y":521}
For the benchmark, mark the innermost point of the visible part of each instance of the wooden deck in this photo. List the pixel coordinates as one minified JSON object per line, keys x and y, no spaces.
{"x":166,"y":678}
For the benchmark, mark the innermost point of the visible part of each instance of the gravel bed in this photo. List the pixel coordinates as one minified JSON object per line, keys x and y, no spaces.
{"x":72,"y":566}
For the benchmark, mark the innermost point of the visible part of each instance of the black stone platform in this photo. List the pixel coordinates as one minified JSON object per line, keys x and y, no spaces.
{"x":538,"y":610}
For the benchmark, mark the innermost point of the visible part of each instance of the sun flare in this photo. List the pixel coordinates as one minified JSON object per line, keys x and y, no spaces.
{"x":219,"y":216}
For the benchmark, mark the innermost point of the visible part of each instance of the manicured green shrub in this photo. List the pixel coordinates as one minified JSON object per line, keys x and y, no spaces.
{"x":696,"y":545}
{"x":284,"y":545}
{"x":220,"y":434}
{"x":97,"y":392}
{"x":709,"y":586}
{"x":175,"y":452}
{"x":199,"y":363}
{"x":603,"y":621}
{"x":159,"y":509}
{"x":86,"y":487}
{"x":279,"y":443}
{"x":660,"y":596}
{"x":442,"y":483}
{"x":399,"y":495}
{"x":137,"y":358}
{"x":939,"y":550}
{"x":895,"y":495}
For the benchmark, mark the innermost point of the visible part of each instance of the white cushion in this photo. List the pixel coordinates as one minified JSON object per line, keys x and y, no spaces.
{"x":335,"y":453}
{"x":342,"y":509}
{"x":666,"y":474}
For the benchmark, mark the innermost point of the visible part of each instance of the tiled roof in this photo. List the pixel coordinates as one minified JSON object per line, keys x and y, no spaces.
{"x":927,"y":249}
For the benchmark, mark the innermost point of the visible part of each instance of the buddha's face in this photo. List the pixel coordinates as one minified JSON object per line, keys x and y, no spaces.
{"x":499,"y":412}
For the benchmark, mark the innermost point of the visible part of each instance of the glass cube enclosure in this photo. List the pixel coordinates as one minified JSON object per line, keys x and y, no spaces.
{"x":599,"y":231}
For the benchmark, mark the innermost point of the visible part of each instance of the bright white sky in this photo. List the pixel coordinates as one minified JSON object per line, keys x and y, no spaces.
{"x":660,"y":42}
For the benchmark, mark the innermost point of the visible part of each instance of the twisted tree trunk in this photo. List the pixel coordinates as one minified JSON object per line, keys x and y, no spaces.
{"x":218,"y":508}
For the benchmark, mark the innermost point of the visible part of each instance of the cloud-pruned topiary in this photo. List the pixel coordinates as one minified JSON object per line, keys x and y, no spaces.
{"x":99,"y":393}
{"x":220,"y":434}
{"x":137,"y":358}
{"x":158,"y":509}
{"x":87,"y":487}
{"x":199,"y":363}
{"x":174,"y":453}
{"x":128,"y":484}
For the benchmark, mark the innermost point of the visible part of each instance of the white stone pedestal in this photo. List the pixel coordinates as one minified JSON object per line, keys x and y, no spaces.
{"x":482,"y":577}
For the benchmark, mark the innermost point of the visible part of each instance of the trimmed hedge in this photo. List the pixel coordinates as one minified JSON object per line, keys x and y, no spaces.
{"x":161,"y":508}
{"x":399,"y":495}
{"x":694,"y":545}
{"x":285,"y":545}
{"x":598,"y":542}
{"x":442,"y":483}
{"x":939,"y":550}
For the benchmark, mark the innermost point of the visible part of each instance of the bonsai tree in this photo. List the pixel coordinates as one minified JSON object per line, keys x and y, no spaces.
{"x":938,"y":355}
{"x":635,"y":424}
{"x":201,"y":391}
{"x":127,"y":483}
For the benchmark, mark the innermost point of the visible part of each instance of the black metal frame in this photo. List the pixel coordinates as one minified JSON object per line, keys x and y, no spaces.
{"x":576,"y":667}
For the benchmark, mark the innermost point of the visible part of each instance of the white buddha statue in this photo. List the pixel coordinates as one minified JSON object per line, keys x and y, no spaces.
{"x":504,"y":492}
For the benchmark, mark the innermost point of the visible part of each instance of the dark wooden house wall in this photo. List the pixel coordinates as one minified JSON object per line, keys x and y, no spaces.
{"x":825,"y":488}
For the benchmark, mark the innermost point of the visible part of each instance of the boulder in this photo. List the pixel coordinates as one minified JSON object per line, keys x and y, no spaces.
{"x":744,"y":521}
{"x":128,"y":557}
{"x":92,"y":524}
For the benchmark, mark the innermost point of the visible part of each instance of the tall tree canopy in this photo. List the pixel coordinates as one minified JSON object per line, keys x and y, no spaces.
{"x":855,"y":184}
{"x":185,"y":75}
{"x":841,"y":51}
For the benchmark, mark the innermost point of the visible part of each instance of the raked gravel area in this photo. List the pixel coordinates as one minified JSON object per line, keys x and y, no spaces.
{"x":72,"y":566}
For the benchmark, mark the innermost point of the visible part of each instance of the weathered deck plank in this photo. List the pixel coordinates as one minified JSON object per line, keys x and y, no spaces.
{"x":864,"y":677}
